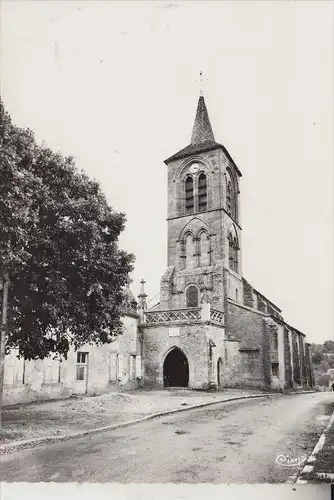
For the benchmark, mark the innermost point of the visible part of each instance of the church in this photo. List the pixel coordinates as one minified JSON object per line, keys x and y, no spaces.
{"x":211,"y":329}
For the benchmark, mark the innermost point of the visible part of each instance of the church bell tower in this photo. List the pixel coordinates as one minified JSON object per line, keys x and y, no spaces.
{"x":204,"y":240}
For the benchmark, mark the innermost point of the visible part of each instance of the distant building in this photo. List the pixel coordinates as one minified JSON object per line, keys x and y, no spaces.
{"x":211,"y":328}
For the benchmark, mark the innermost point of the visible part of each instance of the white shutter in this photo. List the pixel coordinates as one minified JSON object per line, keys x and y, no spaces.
{"x":48,"y":374}
{"x":120,"y":366}
{"x":113,"y":366}
{"x":9,"y":370}
{"x":51,"y":371}
{"x":138,"y":366}
{"x":132,"y":368}
{"x":18,"y":371}
{"x":134,"y":338}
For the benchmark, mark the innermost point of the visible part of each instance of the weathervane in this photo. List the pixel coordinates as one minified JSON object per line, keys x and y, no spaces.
{"x":201,"y":81}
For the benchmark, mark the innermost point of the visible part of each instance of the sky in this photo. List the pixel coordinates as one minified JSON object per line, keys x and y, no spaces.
{"x":114,"y":84}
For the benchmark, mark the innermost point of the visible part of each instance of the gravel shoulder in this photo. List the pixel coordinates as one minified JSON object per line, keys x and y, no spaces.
{"x":70,"y":416}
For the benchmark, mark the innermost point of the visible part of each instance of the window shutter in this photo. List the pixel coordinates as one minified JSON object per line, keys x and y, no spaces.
{"x":18,"y":371}
{"x":9,"y":370}
{"x":189,"y":192}
{"x":51,"y":371}
{"x":138,"y":366}
{"x":120,"y":366}
{"x":113,"y":366}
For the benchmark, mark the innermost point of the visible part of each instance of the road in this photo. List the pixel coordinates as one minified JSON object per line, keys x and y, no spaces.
{"x":235,"y":442}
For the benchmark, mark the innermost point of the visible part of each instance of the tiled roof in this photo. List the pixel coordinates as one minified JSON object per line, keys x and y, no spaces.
{"x":193,"y":149}
{"x":202,"y":130}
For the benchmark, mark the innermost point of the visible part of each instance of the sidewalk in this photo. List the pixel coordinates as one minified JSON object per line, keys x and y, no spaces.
{"x":320,"y":467}
{"x":70,"y":416}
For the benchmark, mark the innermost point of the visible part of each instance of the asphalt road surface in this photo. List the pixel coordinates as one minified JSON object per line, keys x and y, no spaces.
{"x":237,"y":442}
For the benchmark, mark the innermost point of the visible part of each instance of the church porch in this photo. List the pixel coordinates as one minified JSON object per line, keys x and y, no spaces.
{"x":180,"y":348}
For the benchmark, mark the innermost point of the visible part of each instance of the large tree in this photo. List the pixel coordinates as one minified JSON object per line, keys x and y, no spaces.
{"x":58,"y":248}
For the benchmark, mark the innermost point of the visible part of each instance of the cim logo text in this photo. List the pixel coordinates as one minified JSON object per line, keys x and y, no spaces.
{"x":287,"y":461}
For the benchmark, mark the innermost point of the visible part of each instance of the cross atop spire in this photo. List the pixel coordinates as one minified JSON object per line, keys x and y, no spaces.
{"x":201,"y":80}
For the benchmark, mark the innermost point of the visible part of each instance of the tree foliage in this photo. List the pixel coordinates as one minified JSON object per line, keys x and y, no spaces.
{"x":323,"y":380}
{"x":317,"y":357}
{"x":59,"y":242}
{"x":329,"y":346}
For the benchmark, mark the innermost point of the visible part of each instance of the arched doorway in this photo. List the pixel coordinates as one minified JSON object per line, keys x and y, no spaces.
{"x":176,"y":369}
{"x":219,"y":372}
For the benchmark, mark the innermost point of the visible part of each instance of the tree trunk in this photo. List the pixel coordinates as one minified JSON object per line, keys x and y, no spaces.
{"x":5,"y":283}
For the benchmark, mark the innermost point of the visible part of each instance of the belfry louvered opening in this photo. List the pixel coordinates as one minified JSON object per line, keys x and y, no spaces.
{"x":189,"y":195}
{"x":202,"y":193}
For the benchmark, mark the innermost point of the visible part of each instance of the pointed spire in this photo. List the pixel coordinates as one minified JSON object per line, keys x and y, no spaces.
{"x":202,"y":130}
{"x":142,"y":296}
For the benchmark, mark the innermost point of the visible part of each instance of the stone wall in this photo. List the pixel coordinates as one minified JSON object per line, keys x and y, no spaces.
{"x":250,"y":367}
{"x":231,"y":364}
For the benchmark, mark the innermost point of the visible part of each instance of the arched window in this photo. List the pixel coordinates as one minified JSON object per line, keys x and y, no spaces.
{"x":233,"y":255}
{"x":189,"y":192}
{"x":229,"y":196}
{"x":192,"y":296}
{"x":236,"y":256}
{"x":190,"y":251}
{"x":202,"y":193}
{"x":204,"y":249}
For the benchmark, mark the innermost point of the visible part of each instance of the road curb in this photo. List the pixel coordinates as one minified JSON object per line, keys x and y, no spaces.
{"x":301,"y":479}
{"x":27,"y":443}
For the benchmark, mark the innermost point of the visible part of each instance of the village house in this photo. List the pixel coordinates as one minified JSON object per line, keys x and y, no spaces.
{"x":211,"y":327}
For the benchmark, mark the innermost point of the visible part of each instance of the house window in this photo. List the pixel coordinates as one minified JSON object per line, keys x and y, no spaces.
{"x":82,"y":357}
{"x":81,"y":372}
{"x":274,"y":369}
{"x":189,"y":195}
{"x":192,"y":296}
{"x":82,"y":362}
{"x":202,"y":193}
